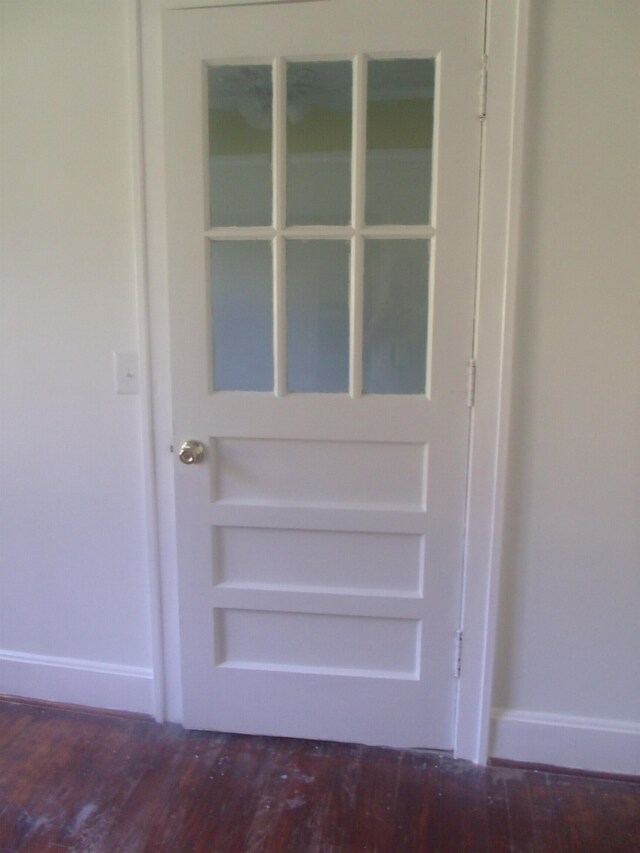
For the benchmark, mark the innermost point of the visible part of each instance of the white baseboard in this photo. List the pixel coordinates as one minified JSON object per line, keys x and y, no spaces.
{"x":76,"y":682}
{"x":606,"y":746}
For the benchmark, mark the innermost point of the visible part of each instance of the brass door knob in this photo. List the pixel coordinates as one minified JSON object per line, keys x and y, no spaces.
{"x":191,"y":452}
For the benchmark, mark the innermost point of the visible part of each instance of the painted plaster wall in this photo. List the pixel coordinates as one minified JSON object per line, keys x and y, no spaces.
{"x":72,"y":567}
{"x":568,"y":638}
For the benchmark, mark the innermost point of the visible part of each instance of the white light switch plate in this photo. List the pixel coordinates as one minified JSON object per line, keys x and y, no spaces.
{"x":126,"y":372}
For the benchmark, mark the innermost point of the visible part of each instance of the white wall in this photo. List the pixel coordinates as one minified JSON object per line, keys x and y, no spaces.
{"x":568,"y":644}
{"x":73,"y":598}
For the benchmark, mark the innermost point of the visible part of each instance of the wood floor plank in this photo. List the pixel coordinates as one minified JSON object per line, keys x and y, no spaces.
{"x":279,"y":794}
{"x":475,"y":824}
{"x":546,"y":837}
{"x":73,"y":781}
{"x":416,"y":801}
{"x":74,"y":764}
{"x":323,"y":800}
{"x":372,"y":823}
{"x":521,"y":829}
{"x":498,"y":814}
{"x":579,"y":821}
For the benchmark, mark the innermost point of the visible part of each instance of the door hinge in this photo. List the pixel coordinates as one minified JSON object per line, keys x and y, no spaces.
{"x":471,"y":383}
{"x":458,"y":659}
{"x":482,"y":102}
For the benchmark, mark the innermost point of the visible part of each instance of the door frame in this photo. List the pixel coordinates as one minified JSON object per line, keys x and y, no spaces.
{"x":506,"y":42}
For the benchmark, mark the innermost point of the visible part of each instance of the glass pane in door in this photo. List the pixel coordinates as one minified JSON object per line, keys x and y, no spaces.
{"x":240,"y":107}
{"x":399,"y":141}
{"x":242,"y":308}
{"x":318,"y":315}
{"x":396,"y":299}
{"x":318,"y":143}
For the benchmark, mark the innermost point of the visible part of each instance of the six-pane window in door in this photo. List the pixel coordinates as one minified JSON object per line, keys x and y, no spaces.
{"x":320,"y":224}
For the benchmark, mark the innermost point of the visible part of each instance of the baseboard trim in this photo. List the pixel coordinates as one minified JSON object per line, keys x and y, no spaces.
{"x":77,"y":682}
{"x":563,"y":741}
{"x":506,"y":764}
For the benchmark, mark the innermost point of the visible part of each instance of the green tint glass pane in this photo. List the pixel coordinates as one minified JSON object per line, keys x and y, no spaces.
{"x":242,"y":305}
{"x":318,"y":315}
{"x":396,"y":300}
{"x":240,"y":173}
{"x":319,"y":143}
{"x":399,"y":141}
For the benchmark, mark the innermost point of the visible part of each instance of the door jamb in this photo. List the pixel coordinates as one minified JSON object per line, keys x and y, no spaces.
{"x":498,"y":243}
{"x":500,"y":203}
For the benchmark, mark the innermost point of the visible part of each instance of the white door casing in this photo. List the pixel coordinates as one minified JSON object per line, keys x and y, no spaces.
{"x":373,"y":480}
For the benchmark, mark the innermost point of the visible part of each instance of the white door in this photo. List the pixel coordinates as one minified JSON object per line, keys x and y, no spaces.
{"x":322,"y":195}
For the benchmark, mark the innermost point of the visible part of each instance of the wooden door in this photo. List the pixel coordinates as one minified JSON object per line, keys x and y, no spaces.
{"x":322,"y":194}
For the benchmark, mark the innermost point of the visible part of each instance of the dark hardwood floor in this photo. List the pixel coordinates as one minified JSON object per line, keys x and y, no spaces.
{"x":72,"y":780}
